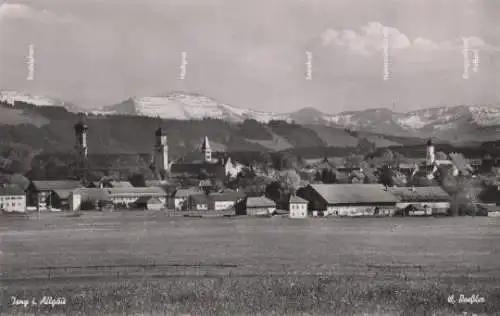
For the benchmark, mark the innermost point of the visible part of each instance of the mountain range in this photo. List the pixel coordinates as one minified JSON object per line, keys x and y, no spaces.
{"x":448,"y":123}
{"x":456,"y":124}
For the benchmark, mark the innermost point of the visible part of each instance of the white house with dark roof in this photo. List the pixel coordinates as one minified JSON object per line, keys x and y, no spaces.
{"x":297,"y":207}
{"x":12,"y":199}
{"x":349,"y":199}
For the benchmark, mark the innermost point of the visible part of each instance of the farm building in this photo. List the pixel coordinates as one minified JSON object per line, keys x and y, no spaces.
{"x":197,"y":202}
{"x":421,"y":200}
{"x":181,"y":196}
{"x":224,"y":200}
{"x":50,"y":194}
{"x":349,"y":199}
{"x":12,"y":199}
{"x":297,"y":207}
{"x":260,"y":206}
{"x":89,"y":199}
{"x":109,"y":183}
{"x":149,"y":203}
{"x":125,"y":197}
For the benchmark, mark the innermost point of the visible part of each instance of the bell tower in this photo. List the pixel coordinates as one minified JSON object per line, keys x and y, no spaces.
{"x":430,"y":156}
{"x":81,"y":149}
{"x":207,"y":150}
{"x":160,"y":152}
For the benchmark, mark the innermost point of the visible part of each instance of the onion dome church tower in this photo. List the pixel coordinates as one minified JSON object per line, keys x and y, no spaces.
{"x":160,"y":156}
{"x":81,"y":149}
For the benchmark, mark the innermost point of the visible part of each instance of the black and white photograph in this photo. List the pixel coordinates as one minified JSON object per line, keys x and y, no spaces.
{"x":250,"y":157}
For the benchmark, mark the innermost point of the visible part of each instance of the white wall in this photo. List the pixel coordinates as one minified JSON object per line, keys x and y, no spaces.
{"x":437,"y":205}
{"x":13,"y":203}
{"x":75,"y":201}
{"x":358,"y":211}
{"x":298,"y":210}
{"x":260,"y":211}
{"x":222,"y":205}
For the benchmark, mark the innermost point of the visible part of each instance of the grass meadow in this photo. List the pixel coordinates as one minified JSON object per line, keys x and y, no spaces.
{"x":141,"y":263}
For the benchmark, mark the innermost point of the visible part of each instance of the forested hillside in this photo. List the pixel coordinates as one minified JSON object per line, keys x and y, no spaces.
{"x":35,"y":131}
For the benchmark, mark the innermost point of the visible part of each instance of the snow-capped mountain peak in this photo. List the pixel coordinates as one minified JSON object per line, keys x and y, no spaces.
{"x":13,"y":96}
{"x":185,"y":106}
{"x":421,"y":123}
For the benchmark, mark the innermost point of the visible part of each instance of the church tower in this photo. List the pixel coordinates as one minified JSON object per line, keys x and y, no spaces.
{"x":160,"y":159}
{"x":207,"y":151}
{"x":81,"y":149}
{"x":430,"y":156}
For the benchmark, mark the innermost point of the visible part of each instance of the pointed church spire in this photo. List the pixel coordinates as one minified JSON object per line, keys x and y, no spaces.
{"x":207,"y":151}
{"x":206,"y":144}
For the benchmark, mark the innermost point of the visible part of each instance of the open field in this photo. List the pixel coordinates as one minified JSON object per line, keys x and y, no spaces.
{"x":149,"y":263}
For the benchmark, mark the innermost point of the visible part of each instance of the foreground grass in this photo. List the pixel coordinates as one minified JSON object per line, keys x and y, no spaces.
{"x":376,"y":267}
{"x":292,"y":295}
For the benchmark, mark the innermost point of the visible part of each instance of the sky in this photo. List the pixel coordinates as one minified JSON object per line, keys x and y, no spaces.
{"x":268,"y":55}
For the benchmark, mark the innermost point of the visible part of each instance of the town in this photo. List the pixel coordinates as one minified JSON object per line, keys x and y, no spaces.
{"x":215,"y":184}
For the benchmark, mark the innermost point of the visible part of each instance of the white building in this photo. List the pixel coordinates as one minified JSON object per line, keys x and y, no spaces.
{"x":297,"y":207}
{"x":12,"y":199}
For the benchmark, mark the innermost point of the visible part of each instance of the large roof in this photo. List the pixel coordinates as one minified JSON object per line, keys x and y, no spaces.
{"x":133,"y":191}
{"x":93,"y":194}
{"x":295,"y":199}
{"x":11,"y":190}
{"x":50,"y":185}
{"x":420,"y":194}
{"x":227,"y":196}
{"x":353,"y":193}
{"x":182,"y":193}
{"x":260,"y":201}
{"x":121,"y":184}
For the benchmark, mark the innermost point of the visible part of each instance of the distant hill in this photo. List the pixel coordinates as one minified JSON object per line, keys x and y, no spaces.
{"x":462,"y":124}
{"x":443,"y":123}
{"x":30,"y":128}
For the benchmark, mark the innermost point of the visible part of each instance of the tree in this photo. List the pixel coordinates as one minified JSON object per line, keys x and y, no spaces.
{"x":290,"y":179}
{"x":353,"y":161}
{"x":328,"y":176}
{"x":137,"y":180}
{"x":318,"y":176}
{"x":386,"y":176}
{"x":365,"y":147}
{"x":459,"y":188}
{"x":285,"y":184}
{"x":441,"y":156}
{"x":388,"y":157}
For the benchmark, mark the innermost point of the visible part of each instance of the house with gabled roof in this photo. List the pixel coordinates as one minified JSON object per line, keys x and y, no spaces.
{"x":224,"y":200}
{"x":50,"y":193}
{"x":12,"y":199}
{"x":349,"y":199}
{"x":297,"y":207}
{"x":260,"y":206}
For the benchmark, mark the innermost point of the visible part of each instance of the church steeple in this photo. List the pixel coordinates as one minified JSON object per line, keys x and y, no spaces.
{"x":207,"y":150}
{"x":160,"y":157}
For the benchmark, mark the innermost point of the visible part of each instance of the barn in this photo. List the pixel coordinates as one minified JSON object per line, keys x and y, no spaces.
{"x":260,"y":206}
{"x":50,"y":193}
{"x":349,"y":199}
